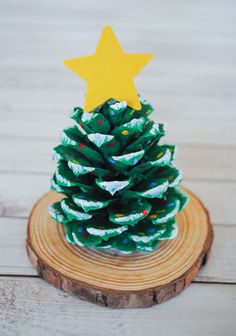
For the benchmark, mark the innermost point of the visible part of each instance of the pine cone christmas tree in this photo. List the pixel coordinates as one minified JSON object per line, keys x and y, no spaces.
{"x":120,"y":187}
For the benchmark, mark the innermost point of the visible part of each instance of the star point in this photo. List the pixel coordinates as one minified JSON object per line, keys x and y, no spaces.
{"x":109,"y":72}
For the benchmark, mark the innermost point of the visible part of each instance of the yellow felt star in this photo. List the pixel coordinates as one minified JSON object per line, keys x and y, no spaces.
{"x":109,"y":72}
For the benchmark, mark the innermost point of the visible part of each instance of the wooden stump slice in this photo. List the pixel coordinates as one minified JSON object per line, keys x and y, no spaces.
{"x":120,"y":281}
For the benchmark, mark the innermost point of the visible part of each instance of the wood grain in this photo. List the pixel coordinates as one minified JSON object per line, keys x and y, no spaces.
{"x":37,"y":155}
{"x":221,"y":266}
{"x":217,"y":195}
{"x":136,"y":280}
{"x":31,"y":307}
{"x":183,"y":127}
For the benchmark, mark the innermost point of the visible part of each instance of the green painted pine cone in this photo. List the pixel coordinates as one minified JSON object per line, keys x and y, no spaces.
{"x":119,"y":183}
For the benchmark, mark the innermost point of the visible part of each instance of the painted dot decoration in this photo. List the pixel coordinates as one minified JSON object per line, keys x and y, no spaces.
{"x":99,"y":122}
{"x":119,"y":215}
{"x":170,"y":204}
{"x":84,"y":235}
{"x":141,"y":233}
{"x":125,"y":132}
{"x":81,"y":146}
{"x":145,"y":212}
{"x":153,"y":216}
{"x":125,"y":241}
{"x":80,"y":229}
{"x":111,"y":144}
{"x":152,"y":184}
{"x":151,"y":230}
{"x":159,"y":155}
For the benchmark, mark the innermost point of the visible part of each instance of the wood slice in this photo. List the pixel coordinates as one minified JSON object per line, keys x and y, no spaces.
{"x":119,"y":281}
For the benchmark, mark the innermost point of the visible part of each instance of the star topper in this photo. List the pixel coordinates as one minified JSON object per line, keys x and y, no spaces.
{"x":109,"y":72}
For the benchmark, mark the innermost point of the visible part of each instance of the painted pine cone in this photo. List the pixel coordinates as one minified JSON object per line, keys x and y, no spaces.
{"x":119,"y":183}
